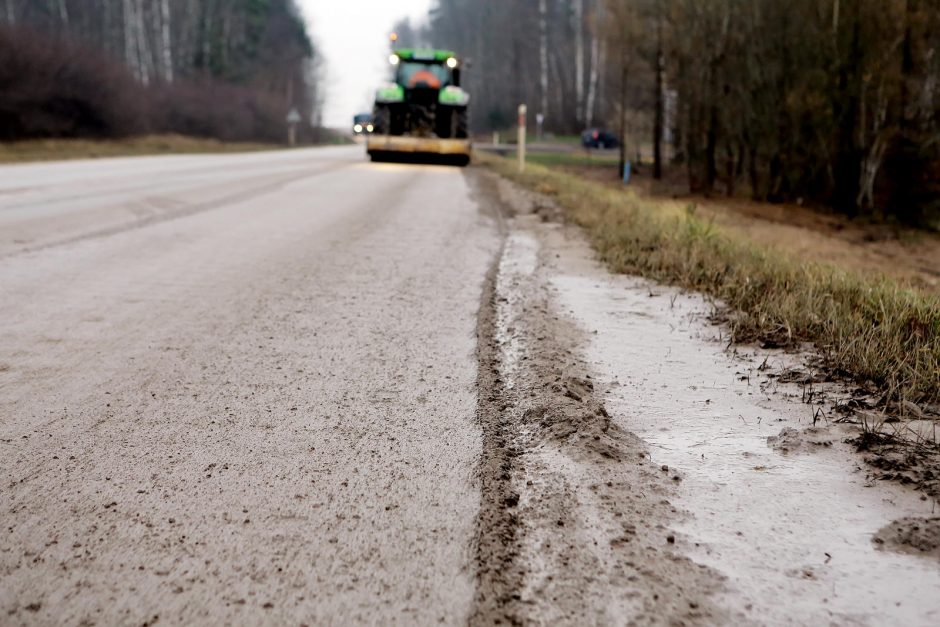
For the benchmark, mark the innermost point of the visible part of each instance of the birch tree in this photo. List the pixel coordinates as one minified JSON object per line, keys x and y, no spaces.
{"x":579,"y":58}
{"x":543,"y":57}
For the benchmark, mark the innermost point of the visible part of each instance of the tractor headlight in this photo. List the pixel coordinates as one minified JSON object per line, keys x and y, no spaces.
{"x":452,"y":63}
{"x":370,"y":128}
{"x":358,"y":128}
{"x":393,"y":59}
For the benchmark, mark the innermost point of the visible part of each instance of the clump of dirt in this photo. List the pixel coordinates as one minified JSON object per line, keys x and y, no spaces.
{"x":918,"y":536}
{"x":895,"y":459}
{"x":575,"y":419}
{"x":791,"y":440}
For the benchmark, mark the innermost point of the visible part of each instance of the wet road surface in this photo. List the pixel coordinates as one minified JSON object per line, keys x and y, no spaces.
{"x":299,"y":388}
{"x":237,"y":389}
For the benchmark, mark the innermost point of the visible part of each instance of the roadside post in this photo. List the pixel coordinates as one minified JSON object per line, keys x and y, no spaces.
{"x":293,"y":119}
{"x":521,"y":141}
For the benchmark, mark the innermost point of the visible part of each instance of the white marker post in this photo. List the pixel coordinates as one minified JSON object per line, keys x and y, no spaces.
{"x":521,"y":140}
{"x":293,"y":119}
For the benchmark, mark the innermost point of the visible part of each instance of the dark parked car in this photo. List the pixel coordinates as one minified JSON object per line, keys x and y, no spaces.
{"x":598,"y":138}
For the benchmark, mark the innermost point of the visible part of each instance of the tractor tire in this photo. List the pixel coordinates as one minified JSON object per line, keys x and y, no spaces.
{"x":382,"y":120}
{"x":463,"y":124}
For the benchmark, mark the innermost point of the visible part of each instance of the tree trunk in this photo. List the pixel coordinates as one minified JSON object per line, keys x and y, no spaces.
{"x":730,"y":170}
{"x":754,"y":173}
{"x":543,"y":57}
{"x":623,"y":111}
{"x":62,"y":12}
{"x":167,"y":40}
{"x":145,"y":60}
{"x":130,"y":44}
{"x":658,"y":100}
{"x":580,"y":114}
{"x":847,"y":170}
{"x":711,"y":146}
{"x":589,"y":105}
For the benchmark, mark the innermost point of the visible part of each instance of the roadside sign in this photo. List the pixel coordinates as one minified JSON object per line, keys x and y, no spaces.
{"x":293,"y":119}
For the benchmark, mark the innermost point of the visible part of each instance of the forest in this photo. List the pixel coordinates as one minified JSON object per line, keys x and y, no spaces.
{"x":225,"y":69}
{"x":827,"y":102}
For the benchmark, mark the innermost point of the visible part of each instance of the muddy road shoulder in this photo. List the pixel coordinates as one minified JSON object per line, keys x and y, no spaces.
{"x":575,"y":519}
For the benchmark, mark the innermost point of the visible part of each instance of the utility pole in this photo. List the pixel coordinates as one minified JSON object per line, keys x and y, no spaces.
{"x":293,"y":119}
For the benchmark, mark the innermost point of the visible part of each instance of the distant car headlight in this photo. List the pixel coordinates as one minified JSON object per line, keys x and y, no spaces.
{"x":358,"y":128}
{"x":370,"y":128}
{"x":452,"y":63}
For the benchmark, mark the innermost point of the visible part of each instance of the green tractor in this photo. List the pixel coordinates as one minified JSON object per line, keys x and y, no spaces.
{"x":424,"y":111}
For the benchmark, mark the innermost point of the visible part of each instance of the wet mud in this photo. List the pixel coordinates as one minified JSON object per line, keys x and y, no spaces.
{"x":574,"y":521}
{"x":634,"y":427}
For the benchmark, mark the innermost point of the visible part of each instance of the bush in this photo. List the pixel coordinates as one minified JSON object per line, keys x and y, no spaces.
{"x":216,"y":110}
{"x":57,"y":88}
{"x":52,"y":87}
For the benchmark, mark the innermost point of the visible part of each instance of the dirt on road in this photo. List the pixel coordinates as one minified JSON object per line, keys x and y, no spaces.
{"x":238,"y":390}
{"x":301,"y":388}
{"x":644,"y":474}
{"x":573,"y":523}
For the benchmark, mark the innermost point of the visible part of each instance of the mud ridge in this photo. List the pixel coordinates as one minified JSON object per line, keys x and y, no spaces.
{"x":497,"y":523}
{"x":575,"y":520}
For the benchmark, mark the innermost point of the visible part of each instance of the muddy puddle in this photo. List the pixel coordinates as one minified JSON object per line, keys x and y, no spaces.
{"x":789,"y":521}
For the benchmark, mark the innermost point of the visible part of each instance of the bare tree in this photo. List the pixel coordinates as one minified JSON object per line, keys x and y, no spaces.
{"x":543,"y":57}
{"x":578,"y":26}
{"x":63,"y":12}
{"x":166,"y":40}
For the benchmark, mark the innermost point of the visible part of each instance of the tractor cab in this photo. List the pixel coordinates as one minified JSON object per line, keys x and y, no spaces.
{"x":425,"y":69}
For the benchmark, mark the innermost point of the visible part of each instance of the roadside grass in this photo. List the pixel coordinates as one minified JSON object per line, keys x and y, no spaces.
{"x":61,"y":149}
{"x":875,"y":332}
{"x":572,"y":159}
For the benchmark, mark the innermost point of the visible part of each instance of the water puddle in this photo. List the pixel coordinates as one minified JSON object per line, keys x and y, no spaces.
{"x":791,"y":530}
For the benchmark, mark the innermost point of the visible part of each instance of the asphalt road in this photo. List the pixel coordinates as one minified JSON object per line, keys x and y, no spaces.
{"x":239,"y":389}
{"x":300,"y":388}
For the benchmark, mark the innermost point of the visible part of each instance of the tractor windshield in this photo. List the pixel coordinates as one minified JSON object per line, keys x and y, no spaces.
{"x":415,"y":75}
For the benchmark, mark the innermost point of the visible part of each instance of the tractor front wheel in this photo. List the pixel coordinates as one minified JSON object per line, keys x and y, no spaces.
{"x":463,"y":124}
{"x":382,"y":120}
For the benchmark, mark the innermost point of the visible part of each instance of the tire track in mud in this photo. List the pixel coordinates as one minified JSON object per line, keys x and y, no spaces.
{"x":574,"y":519}
{"x":497,"y":523}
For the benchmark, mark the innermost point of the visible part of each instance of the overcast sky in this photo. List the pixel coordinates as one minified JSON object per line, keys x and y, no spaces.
{"x":353,"y":36}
